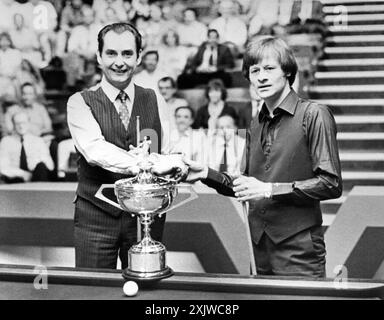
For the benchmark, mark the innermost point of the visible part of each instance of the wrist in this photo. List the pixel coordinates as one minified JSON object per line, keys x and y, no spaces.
{"x":268,"y":190}
{"x":204,"y":173}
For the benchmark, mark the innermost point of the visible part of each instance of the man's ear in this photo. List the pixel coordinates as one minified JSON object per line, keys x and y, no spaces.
{"x":140,"y":56}
{"x":98,"y":57}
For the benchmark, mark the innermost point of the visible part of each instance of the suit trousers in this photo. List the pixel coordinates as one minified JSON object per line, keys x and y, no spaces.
{"x":302,"y":254}
{"x":101,"y":238}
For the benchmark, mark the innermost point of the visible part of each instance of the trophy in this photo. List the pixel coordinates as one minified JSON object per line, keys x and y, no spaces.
{"x":145,"y":196}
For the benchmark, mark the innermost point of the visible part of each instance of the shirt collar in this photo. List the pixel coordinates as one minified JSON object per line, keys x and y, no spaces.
{"x":288,"y":105}
{"x":112,"y":92}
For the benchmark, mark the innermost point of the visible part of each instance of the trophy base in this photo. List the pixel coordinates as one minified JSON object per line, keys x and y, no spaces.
{"x":147,"y":276}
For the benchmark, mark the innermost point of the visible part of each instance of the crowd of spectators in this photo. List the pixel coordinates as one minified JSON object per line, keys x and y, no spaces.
{"x":51,"y":45}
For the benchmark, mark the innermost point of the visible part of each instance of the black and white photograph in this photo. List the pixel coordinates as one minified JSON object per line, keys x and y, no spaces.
{"x":190,"y":156}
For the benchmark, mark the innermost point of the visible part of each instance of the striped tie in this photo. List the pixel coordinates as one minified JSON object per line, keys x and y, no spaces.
{"x":123,"y":109}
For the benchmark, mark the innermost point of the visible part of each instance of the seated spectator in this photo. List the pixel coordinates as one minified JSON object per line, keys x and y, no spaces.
{"x":168,"y":89}
{"x":24,"y":156}
{"x":8,"y":8}
{"x":40,"y":123}
{"x":155,"y":28}
{"x":173,"y":57}
{"x":231,"y":28}
{"x":307,"y":17}
{"x":225,"y":148}
{"x":172,"y":18}
{"x":71,"y":16}
{"x":207,"y":115}
{"x":150,"y":75}
{"x":10,"y":63}
{"x":29,"y":73}
{"x":141,"y":9}
{"x":104,"y":12}
{"x":183,"y":139}
{"x":192,"y":32}
{"x":250,"y":110}
{"x":270,"y":19}
{"x":129,"y":10}
{"x":26,"y":40}
{"x":210,"y":62}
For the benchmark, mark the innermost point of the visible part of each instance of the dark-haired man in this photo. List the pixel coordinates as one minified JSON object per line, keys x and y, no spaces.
{"x":291,"y":164}
{"x":102,"y":122}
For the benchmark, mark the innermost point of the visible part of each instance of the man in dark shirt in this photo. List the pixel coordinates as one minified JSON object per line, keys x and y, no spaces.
{"x":291,"y":164}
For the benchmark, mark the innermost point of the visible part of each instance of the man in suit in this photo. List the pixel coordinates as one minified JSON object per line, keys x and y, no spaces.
{"x":291,"y":164}
{"x":102,"y":122}
{"x":250,"y":110}
{"x":210,"y":62}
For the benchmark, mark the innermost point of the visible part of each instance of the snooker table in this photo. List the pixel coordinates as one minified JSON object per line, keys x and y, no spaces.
{"x":16,"y":282}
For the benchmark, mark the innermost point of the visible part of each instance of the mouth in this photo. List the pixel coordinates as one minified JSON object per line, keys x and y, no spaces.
{"x":263,"y":87}
{"x":119,"y":72}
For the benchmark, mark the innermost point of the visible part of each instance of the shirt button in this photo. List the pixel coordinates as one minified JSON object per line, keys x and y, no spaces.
{"x":267,"y":167}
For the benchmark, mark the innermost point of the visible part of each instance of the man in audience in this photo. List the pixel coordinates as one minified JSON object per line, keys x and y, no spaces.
{"x":183,"y":139}
{"x":250,"y":110}
{"x":210,"y":62}
{"x":230,"y":27}
{"x":225,"y":148}
{"x":168,"y":89}
{"x":151,"y":74}
{"x":24,"y":156}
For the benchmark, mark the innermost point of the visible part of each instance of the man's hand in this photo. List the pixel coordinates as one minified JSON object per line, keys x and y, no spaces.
{"x":249,"y":188}
{"x":196,"y":172}
{"x":171,"y":166}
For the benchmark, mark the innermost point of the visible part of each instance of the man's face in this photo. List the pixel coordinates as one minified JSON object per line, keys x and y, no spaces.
{"x":268,"y":78}
{"x":166,"y":89}
{"x":21,"y":124}
{"x":183,"y":118}
{"x":226,"y":8}
{"x":28,"y":95}
{"x":150,"y":62}
{"x":119,"y":59}
{"x":189,"y":16}
{"x":226,"y":126}
{"x":213,"y":38}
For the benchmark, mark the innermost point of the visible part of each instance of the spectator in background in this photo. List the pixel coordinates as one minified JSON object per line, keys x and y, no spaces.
{"x":8,"y":8}
{"x":155,"y":28}
{"x":207,"y":115}
{"x":104,"y":13}
{"x":192,"y":32}
{"x":150,"y":75}
{"x":141,"y":9}
{"x":71,"y":16}
{"x":168,"y":89}
{"x":10,"y":63}
{"x":171,"y":17}
{"x":183,"y":139}
{"x":29,"y":73}
{"x":250,"y":110}
{"x":173,"y":57}
{"x":231,"y":28}
{"x":24,"y":156}
{"x":26,"y":40}
{"x":129,"y":10}
{"x":225,"y":148}
{"x":210,"y":62}
{"x":40,"y":122}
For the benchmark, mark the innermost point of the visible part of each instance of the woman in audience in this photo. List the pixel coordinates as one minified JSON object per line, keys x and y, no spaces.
{"x":29,"y":73}
{"x":207,"y":115}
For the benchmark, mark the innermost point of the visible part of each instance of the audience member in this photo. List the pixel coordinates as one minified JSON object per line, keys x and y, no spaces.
{"x":183,"y":139}
{"x":168,"y":89}
{"x":250,"y":110}
{"x":155,"y":28}
{"x":150,"y":75}
{"x":26,"y":40}
{"x":173,"y":57}
{"x":192,"y":32}
{"x":29,"y":73}
{"x":231,"y":28}
{"x":210,"y":62}
{"x":106,"y":9}
{"x":40,"y":122}
{"x":225,"y":148}
{"x":141,"y":9}
{"x":207,"y":115}
{"x":8,"y":8}
{"x":24,"y":156}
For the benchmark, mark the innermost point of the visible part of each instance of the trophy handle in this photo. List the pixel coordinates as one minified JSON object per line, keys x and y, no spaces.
{"x":100,"y":195}
{"x":192,"y":195}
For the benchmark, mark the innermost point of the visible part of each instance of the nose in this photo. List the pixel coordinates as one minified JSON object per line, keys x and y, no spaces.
{"x":119,"y":62}
{"x":262,"y":76}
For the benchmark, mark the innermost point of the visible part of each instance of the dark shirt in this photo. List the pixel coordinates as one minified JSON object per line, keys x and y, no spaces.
{"x":320,"y":128}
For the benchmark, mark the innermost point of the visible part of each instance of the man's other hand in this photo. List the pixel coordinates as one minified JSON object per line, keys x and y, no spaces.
{"x":197,"y":171}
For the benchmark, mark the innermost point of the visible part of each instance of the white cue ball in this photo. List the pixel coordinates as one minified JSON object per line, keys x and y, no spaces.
{"x":130,"y":288}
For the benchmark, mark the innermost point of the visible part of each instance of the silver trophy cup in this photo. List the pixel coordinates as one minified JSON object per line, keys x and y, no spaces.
{"x":146,"y":196}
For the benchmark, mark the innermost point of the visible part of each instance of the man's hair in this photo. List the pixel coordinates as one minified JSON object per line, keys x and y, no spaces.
{"x":170,"y":79}
{"x":188,"y":108}
{"x":155,"y":52}
{"x":216,"y":84}
{"x":234,"y":117}
{"x":119,"y":28}
{"x":175,"y":34}
{"x":257,"y":50}
{"x":8,"y":36}
{"x":213,"y":31}
{"x":27,"y":84}
{"x":191,"y":9}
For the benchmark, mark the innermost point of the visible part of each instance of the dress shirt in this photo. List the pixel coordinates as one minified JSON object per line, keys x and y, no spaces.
{"x":87,"y":135}
{"x":209,"y":51}
{"x":231,"y":29}
{"x":36,"y":151}
{"x":149,"y":80}
{"x":190,"y":142}
{"x":235,"y":151}
{"x":40,"y":122}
